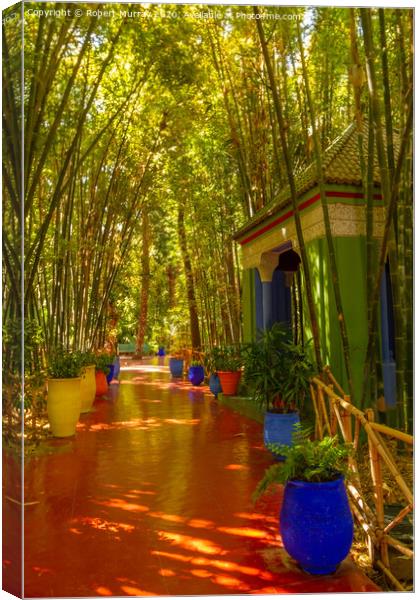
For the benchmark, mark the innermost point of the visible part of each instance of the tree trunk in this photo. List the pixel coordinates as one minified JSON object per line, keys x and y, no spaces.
{"x":192,"y":304}
{"x":145,"y":284}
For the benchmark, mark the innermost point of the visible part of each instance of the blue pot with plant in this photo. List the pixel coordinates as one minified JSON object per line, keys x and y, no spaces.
{"x":196,"y":373}
{"x":278,"y":373}
{"x":316,"y":524}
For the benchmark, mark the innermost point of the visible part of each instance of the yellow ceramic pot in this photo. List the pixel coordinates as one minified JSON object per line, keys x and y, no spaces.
{"x":63,"y":405}
{"x":87,"y":388}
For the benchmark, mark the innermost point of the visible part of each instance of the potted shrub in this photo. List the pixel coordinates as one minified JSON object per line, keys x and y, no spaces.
{"x":176,"y":364}
{"x":196,"y":372}
{"x":316,"y":524}
{"x":88,"y":381}
{"x":63,"y":400}
{"x":228,"y":365}
{"x":278,"y":374}
{"x":102,"y":370}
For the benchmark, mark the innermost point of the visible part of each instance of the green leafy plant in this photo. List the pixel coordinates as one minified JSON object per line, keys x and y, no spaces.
{"x":224,"y":358}
{"x":196,"y":363}
{"x":64,"y":365}
{"x":306,"y":460}
{"x":86,"y":358}
{"x":277,"y":371}
{"x":102,"y":362}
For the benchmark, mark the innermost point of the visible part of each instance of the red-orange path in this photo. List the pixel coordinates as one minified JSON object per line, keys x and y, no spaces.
{"x":153,"y":497}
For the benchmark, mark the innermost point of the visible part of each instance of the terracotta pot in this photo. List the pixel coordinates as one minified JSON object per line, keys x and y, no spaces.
{"x":101,"y":383}
{"x":229,"y":380}
{"x":63,"y":405}
{"x":87,"y":388}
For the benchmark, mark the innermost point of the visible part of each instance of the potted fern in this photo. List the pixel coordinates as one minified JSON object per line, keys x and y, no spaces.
{"x":278,"y":372}
{"x":63,"y":399}
{"x":316,"y":524}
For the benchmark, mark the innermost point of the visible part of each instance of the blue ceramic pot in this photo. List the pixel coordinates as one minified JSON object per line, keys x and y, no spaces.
{"x":117,"y":367}
{"x":278,"y":428}
{"x":161,"y":351}
{"x":176,"y":367}
{"x":316,"y":524}
{"x":110,"y":375}
{"x":214,"y":384}
{"x":196,"y":375}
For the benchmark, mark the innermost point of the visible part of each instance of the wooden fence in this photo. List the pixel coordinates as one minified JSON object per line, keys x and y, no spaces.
{"x":334,"y":410}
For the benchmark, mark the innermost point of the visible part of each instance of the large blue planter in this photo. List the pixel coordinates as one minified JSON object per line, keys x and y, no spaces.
{"x":214,"y":384}
{"x":196,"y":375}
{"x":110,"y":375}
{"x":117,"y":367}
{"x":316,"y":524}
{"x":176,"y":367}
{"x":279,"y":428}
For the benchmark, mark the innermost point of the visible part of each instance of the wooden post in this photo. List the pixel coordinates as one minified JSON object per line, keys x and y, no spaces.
{"x":318,"y":422}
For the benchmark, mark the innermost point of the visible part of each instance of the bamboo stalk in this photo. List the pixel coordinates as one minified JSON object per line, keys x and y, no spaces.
{"x":318,"y":423}
{"x":376,"y":474}
{"x":390,"y":576}
{"x":275,"y":90}
{"x":398,"y":518}
{"x":403,"y":548}
{"x":324,"y":410}
{"x":332,"y":258}
{"x":395,"y":433}
{"x":327,"y":370}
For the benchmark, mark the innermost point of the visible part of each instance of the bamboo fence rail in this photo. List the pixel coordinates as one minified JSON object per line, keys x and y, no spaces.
{"x":334,"y":411}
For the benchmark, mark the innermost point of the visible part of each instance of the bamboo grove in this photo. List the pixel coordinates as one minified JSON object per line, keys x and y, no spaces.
{"x":147,"y":144}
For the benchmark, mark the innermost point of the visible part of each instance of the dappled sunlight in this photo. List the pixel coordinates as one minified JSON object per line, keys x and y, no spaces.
{"x":103,"y":525}
{"x":103,"y":591}
{"x":205,"y":563}
{"x":75,"y":531}
{"x":200,"y":523}
{"x":188,"y":542}
{"x":145,"y":368}
{"x":181,"y":421}
{"x":136,"y":423}
{"x":135,"y":591}
{"x":244,"y":532}
{"x":234,"y":467}
{"x":167,"y":573}
{"x":230,"y":582}
{"x":257,"y":517}
{"x":170,"y":518}
{"x":118,"y":503}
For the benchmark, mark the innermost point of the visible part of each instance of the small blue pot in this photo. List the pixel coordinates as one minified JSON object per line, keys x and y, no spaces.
{"x":316,"y":525}
{"x":196,"y":375}
{"x":117,"y":367}
{"x":161,"y":351}
{"x":110,"y":375}
{"x":176,"y":367}
{"x":279,"y":428}
{"x":214,"y":384}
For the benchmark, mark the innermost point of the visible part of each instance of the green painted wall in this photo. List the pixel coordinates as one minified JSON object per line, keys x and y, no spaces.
{"x":248,"y":305}
{"x":351,"y":264}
